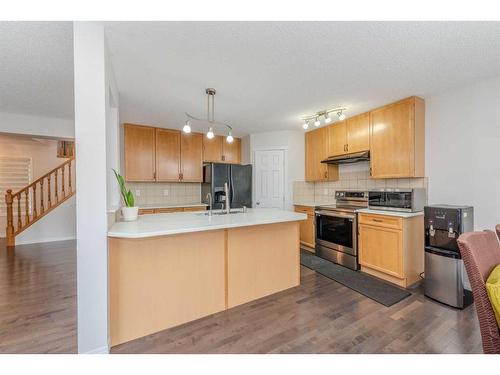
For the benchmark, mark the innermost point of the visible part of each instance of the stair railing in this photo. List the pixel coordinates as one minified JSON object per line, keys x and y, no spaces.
{"x":28,"y":205}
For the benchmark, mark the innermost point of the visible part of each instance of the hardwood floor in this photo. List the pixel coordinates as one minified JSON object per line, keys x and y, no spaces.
{"x":38,"y":298}
{"x":38,"y":315}
{"x":322,"y":316}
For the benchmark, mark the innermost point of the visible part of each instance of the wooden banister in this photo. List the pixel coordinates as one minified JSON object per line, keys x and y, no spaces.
{"x":38,"y":200}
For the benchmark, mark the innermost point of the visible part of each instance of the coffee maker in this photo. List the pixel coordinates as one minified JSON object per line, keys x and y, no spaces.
{"x":445,"y":277}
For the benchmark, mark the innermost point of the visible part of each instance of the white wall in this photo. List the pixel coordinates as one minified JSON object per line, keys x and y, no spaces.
{"x":60,"y":223}
{"x":17,"y":123}
{"x":463,"y":149}
{"x":91,"y":97}
{"x":293,"y":143}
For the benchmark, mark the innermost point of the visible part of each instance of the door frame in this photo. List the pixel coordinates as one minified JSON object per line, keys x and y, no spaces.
{"x":285,"y":174}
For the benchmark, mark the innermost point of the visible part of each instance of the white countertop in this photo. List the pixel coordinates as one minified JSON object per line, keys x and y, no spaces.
{"x":166,"y":205}
{"x":185,"y":222}
{"x":390,"y":213}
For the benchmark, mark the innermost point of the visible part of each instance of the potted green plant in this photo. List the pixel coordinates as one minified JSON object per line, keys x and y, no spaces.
{"x":129,"y":211}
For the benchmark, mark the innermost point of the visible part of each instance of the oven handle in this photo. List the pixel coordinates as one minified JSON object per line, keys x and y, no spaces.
{"x":334,"y":214}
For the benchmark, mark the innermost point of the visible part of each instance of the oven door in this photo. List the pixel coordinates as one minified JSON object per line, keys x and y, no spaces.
{"x":336,"y":230}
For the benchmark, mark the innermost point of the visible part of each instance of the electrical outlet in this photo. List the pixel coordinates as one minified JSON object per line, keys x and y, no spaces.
{"x":165,"y":192}
{"x":137,"y":193}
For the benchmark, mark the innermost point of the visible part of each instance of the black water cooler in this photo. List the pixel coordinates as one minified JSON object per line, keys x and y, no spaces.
{"x":445,"y":277}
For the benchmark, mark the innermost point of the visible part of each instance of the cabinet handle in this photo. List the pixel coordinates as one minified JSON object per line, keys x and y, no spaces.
{"x":223,"y":157}
{"x":378,"y":220}
{"x":326,"y":174}
{"x":347,"y":147}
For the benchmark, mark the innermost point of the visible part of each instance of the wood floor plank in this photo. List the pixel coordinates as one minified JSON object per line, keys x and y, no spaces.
{"x":38,"y":298}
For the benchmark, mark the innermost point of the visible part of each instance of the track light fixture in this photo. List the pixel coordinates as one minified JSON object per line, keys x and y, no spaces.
{"x":187,"y":127}
{"x":210,"y":119}
{"x":325,"y":115}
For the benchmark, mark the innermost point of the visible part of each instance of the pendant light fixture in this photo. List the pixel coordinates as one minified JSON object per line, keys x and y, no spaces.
{"x":210,"y":121}
{"x":325,"y":115}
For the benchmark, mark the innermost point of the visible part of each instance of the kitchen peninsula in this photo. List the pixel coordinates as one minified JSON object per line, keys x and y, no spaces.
{"x":169,"y":269}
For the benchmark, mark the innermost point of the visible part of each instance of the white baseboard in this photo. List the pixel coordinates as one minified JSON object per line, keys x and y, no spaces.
{"x":49,"y":239}
{"x":101,"y":350}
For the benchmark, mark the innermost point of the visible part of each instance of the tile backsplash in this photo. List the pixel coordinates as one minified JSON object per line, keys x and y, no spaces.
{"x":165,"y":192}
{"x":352,"y":177}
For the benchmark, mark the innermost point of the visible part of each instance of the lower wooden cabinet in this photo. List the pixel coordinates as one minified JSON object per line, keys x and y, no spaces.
{"x":307,"y":228}
{"x":391,"y":248}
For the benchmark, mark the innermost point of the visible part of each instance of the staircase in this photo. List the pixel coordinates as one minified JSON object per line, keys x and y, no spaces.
{"x":31,"y":203}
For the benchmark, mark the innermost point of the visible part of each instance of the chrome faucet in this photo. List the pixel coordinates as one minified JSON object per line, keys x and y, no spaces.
{"x":209,"y":197}
{"x":226,"y":191}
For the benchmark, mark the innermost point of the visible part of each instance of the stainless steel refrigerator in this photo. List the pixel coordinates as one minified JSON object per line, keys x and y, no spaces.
{"x":238,"y":178}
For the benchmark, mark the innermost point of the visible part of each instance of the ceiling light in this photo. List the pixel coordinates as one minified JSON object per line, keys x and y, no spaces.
{"x":341,"y":116}
{"x":317,"y":122}
{"x":187,"y":127}
{"x":210,"y":133}
{"x":229,"y":138}
{"x":305,"y":125}
{"x":327,"y":118}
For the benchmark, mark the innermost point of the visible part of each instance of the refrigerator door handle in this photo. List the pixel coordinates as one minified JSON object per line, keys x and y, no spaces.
{"x":231,"y":189}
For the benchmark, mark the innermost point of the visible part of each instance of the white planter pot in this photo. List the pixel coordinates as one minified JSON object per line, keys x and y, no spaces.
{"x":130,"y":213}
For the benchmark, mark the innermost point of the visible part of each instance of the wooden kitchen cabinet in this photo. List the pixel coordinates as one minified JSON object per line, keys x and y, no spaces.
{"x":307,"y":228}
{"x":219,"y":151}
{"x":139,"y":151}
{"x":212,"y":149}
{"x":391,"y":248}
{"x":358,"y":133}
{"x":337,"y":139}
{"x":316,"y":150}
{"x":191,"y":161}
{"x":397,"y":133}
{"x":168,"y":155}
{"x":231,"y":152}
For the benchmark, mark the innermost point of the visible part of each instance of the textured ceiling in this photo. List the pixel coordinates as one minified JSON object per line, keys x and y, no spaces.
{"x":36,"y":68}
{"x":268,"y":74}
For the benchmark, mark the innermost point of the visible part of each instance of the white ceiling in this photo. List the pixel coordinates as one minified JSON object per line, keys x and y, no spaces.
{"x":36,"y":68}
{"x":267,"y":74}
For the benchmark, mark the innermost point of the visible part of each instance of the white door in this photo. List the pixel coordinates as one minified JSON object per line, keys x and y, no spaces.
{"x":269,"y":178}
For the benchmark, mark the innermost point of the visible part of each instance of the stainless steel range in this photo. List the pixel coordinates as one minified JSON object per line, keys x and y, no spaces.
{"x":337,"y":228}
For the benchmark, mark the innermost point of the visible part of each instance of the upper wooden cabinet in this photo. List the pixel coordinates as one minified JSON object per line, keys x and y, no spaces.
{"x":316,"y":149}
{"x":212,"y":149}
{"x":219,"y":151}
{"x":349,"y":136}
{"x":139,"y":149}
{"x":168,"y":155}
{"x":337,"y":139}
{"x":156,"y":154}
{"x":191,"y":161}
{"x":397,"y":134}
{"x":231,"y":152}
{"x":358,"y":133}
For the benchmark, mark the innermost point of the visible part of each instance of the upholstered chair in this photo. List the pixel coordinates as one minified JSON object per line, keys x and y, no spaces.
{"x":481,"y":253}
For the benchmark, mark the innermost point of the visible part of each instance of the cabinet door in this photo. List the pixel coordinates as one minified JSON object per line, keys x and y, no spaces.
{"x":168,"y":154}
{"x":231,"y":152}
{"x":337,"y":139}
{"x":358,"y":133}
{"x":212,"y":149}
{"x":191,"y":157}
{"x":316,"y":150}
{"x":139,"y":153}
{"x":307,"y":234}
{"x":381,"y":249}
{"x":391,"y":143}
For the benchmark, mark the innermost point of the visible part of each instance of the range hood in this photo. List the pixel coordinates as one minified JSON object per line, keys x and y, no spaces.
{"x":348,"y":159}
